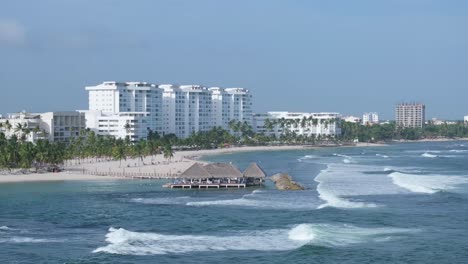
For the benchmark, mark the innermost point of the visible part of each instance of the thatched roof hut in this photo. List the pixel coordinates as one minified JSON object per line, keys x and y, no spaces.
{"x":196,"y":171}
{"x":223,"y":170}
{"x":254,"y":171}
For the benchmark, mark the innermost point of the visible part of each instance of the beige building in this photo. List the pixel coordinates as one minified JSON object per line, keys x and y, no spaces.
{"x":410,"y":114}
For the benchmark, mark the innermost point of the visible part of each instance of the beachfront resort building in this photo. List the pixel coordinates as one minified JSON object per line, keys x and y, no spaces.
{"x":133,"y":109}
{"x":410,"y":115}
{"x":231,"y":104}
{"x":186,"y":109}
{"x":299,"y":123}
{"x":370,"y":118}
{"x":53,"y":126}
{"x":124,"y":109}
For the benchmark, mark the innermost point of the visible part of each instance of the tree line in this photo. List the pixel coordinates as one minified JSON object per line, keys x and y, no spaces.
{"x":16,"y":152}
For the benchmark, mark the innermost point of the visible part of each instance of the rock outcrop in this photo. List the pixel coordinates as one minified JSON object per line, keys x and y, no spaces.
{"x":284,"y":181}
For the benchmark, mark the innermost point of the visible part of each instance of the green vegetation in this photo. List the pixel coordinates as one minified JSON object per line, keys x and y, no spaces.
{"x":18,"y":153}
{"x":387,"y":132}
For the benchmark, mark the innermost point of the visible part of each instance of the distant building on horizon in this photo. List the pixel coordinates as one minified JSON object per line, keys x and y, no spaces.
{"x":466,"y":119}
{"x":410,"y":115}
{"x":352,"y":119}
{"x":370,"y":118}
{"x":299,"y":123}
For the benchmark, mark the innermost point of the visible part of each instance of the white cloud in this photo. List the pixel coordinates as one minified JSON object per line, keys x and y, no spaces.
{"x":12,"y":33}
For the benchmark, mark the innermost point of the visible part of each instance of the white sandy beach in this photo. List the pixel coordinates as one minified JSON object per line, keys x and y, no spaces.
{"x":155,"y":167}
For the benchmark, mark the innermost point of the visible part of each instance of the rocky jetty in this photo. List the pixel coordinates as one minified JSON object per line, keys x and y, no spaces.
{"x":284,"y":181}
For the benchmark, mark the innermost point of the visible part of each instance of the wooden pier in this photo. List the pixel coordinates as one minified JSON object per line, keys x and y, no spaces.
{"x":205,"y":186}
{"x":217,"y":175}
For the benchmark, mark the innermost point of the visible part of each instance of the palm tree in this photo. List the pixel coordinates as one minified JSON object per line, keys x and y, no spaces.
{"x":168,"y":152}
{"x":268,"y":125}
{"x":119,"y":151}
{"x":7,"y":125}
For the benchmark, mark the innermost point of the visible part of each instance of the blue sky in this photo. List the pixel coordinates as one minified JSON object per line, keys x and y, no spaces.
{"x":296,"y":55}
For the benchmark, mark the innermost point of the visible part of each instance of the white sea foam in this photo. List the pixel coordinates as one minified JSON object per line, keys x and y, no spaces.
{"x":162,"y":201}
{"x":124,"y":242}
{"x":458,"y":150}
{"x":338,"y":184}
{"x":5,"y":228}
{"x":427,"y":183}
{"x":265,"y":200}
{"x":429,"y":155}
{"x":17,"y":239}
{"x":307,"y":157}
{"x":383,"y":156}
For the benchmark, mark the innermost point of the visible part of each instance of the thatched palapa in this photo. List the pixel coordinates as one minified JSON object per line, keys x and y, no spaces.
{"x":196,"y":171}
{"x":223,"y":170}
{"x":254,"y":171}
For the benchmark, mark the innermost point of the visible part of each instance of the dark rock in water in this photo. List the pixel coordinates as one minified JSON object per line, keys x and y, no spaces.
{"x":284,"y":181}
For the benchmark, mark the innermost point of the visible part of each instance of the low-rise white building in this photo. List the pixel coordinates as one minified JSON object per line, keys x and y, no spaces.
{"x":53,"y":126}
{"x":307,"y":124}
{"x":466,"y":119}
{"x":370,"y":118}
{"x":352,"y":119}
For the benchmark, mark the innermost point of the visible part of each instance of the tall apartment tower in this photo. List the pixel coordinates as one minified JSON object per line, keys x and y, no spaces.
{"x":231,"y":104}
{"x":410,"y":115}
{"x":125,"y":109}
{"x":186,"y":109}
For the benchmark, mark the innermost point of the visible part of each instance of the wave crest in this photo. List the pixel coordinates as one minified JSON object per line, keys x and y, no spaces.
{"x":124,"y":242}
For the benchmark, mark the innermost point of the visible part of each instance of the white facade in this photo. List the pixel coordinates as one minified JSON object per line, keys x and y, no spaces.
{"x":307,"y":124}
{"x":352,"y":119}
{"x":231,"y":104}
{"x":466,"y":119}
{"x":370,"y":118}
{"x":132,"y":109}
{"x":53,"y":126}
{"x":125,"y":109}
{"x":186,"y":109}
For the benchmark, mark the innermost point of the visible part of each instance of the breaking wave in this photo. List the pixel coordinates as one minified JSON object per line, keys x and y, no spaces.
{"x":124,"y":242}
{"x":426,"y":183}
{"x":383,"y":156}
{"x":338,"y":183}
{"x":265,"y":200}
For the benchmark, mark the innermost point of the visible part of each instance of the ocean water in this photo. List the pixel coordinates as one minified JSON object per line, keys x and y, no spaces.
{"x":404,"y":203}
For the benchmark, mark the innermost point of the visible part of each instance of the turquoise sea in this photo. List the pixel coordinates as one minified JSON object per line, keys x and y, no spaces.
{"x":404,"y":203}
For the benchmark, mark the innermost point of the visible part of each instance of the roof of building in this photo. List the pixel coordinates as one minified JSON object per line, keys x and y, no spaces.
{"x":223,"y":170}
{"x":196,"y":171}
{"x":254,"y":171}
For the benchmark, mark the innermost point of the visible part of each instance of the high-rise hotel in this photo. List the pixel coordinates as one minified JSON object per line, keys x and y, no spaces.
{"x":132,"y":109}
{"x":410,"y":115}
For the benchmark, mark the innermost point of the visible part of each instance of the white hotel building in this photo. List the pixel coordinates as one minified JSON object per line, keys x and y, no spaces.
{"x":132,"y":109}
{"x":370,"y":118}
{"x":53,"y":126}
{"x":124,"y":109}
{"x":314,"y":124}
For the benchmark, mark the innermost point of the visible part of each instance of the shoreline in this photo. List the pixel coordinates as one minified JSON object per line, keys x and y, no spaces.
{"x":155,"y":167}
